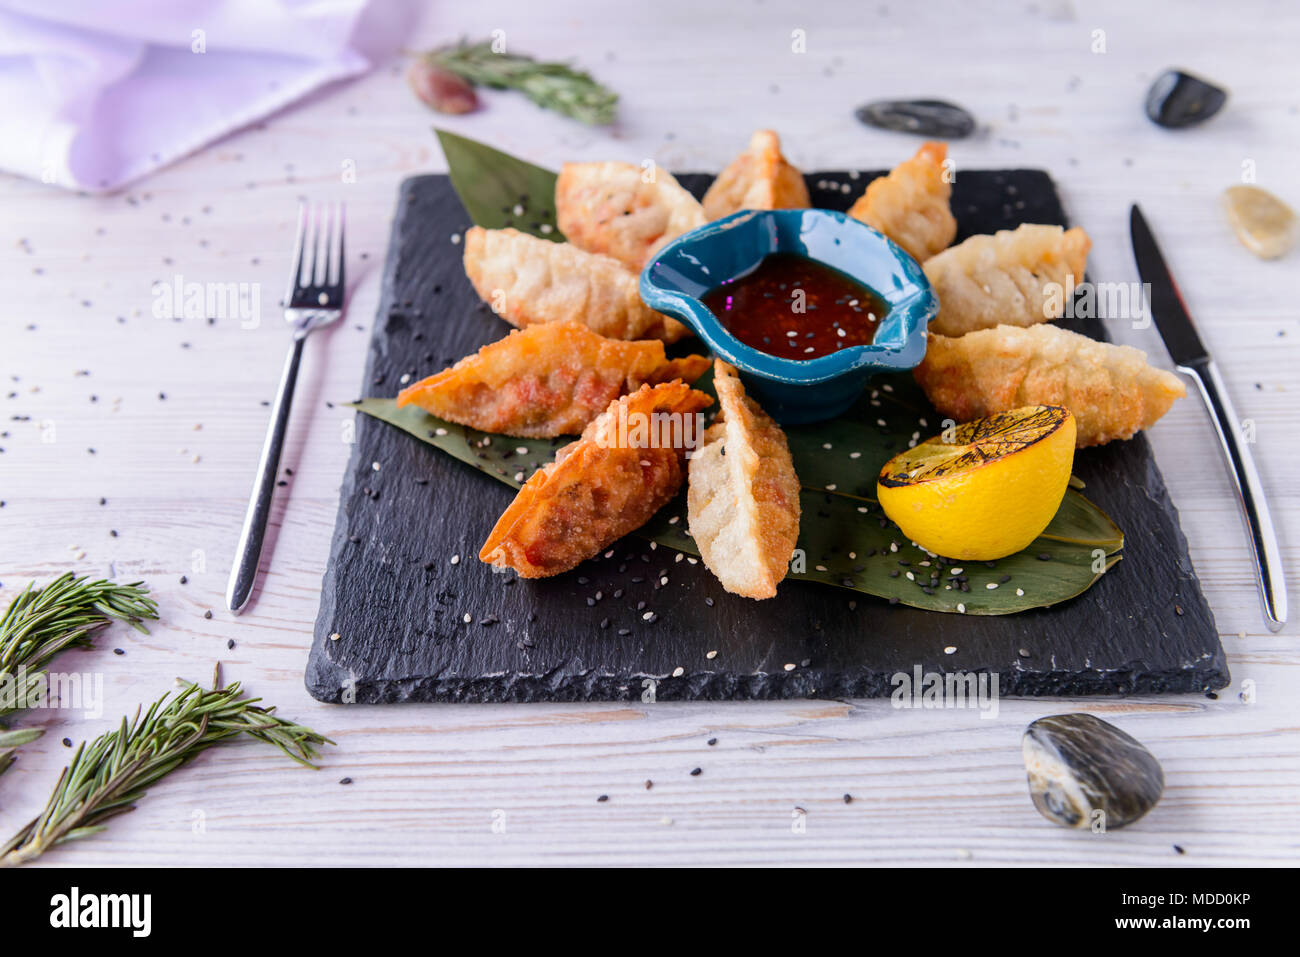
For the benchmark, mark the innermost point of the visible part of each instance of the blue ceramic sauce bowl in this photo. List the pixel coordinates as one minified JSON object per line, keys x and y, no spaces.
{"x":793,"y":391}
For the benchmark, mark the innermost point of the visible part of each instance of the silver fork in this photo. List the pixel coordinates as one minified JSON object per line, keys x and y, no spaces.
{"x":315,"y":299}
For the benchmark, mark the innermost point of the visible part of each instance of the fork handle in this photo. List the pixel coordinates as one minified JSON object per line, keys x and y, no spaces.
{"x":244,"y":574}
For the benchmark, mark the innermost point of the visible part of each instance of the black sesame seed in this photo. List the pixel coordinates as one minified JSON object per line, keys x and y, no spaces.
{"x":345,"y":780}
{"x":696,"y":772}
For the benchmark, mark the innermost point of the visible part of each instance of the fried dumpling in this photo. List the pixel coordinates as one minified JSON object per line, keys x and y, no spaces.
{"x":545,"y":380}
{"x":743,"y":495}
{"x":759,"y":178}
{"x":1015,"y":277}
{"x":610,"y":208}
{"x":528,"y":280}
{"x":606,"y":484}
{"x":1110,"y":389}
{"x":910,"y":204}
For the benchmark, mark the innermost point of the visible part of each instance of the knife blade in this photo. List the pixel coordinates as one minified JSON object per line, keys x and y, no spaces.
{"x":1176,"y":328}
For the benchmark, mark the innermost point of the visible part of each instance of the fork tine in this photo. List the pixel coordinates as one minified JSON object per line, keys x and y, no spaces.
{"x":317,"y":216}
{"x":295,"y":277}
{"x":340,"y":281}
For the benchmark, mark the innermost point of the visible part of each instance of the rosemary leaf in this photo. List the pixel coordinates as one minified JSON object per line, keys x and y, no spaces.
{"x":106,"y":777}
{"x":41,"y":622}
{"x":551,"y":85}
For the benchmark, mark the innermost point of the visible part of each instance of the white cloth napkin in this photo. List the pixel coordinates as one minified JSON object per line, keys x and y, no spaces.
{"x":96,"y":94}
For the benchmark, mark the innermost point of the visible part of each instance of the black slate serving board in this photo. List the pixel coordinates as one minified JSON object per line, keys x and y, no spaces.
{"x":391,"y":622}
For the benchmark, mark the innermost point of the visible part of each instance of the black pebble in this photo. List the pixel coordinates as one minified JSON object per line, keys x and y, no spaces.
{"x":1177,"y":100}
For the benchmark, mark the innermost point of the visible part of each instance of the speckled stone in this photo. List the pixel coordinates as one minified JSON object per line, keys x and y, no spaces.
{"x":1087,"y":773}
{"x":936,"y":118}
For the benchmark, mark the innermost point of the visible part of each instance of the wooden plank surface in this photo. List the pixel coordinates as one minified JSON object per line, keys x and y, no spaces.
{"x":508,"y":784}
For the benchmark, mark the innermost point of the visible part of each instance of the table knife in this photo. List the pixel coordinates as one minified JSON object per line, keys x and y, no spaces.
{"x":1192,"y":359}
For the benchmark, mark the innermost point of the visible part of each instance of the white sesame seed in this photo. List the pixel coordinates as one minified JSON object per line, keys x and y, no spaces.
{"x":455,"y":559}
{"x":335,"y":636}
{"x":455,"y":239}
{"x":832,"y":487}
{"x":954,"y":571}
{"x":1020,"y":592}
{"x":406,"y":377}
{"x":521,"y":450}
{"x":440,"y":431}
{"x":789,"y":667}
{"x":375,"y":466}
{"x":517,"y":210}
{"x":821,"y":568}
{"x":653,"y":546}
{"x":647,"y":616}
{"x":674,"y":520}
{"x":862,"y":508}
{"x":961,"y":608}
{"x":911,"y":577}
{"x":678,"y":671}
{"x":663,"y":580}
{"x":855,"y":455}
{"x":519,"y":476}
{"x":893,"y":546}
{"x":546,"y":229}
{"x":710,"y":655}
{"x":678,"y":557}
{"x":950,"y":650}
{"x":991,"y":585}
{"x":826,"y":445}
{"x":467,"y":619}
{"x":852,"y":555}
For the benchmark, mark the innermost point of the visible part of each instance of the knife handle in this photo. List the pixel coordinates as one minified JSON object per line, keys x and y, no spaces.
{"x":1250,"y":492}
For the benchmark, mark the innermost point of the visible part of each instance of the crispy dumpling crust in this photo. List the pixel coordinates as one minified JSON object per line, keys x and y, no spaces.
{"x":743,"y":495}
{"x":1006,"y":278}
{"x":545,"y":380}
{"x":608,"y":208}
{"x":1110,"y":389}
{"x":597,"y":490}
{"x":911,"y":204}
{"x":528,"y":280}
{"x":759,"y":178}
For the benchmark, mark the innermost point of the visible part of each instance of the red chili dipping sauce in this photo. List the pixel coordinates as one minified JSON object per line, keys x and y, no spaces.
{"x":796,"y":308}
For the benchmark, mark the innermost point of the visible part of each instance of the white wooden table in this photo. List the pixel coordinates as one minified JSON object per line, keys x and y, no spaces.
{"x":89,"y":364}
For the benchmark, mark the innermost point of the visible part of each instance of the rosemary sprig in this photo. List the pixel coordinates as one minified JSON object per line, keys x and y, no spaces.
{"x":107,"y":777}
{"x":551,"y":85}
{"x":41,"y":622}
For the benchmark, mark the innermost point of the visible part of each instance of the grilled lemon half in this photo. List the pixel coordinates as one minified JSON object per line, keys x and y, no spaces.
{"x":983,"y":489}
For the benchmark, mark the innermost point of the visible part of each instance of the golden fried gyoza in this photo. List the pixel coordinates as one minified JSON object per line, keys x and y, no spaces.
{"x":759,"y":178}
{"x":610,"y":208}
{"x":528,"y":280}
{"x":627,"y":465}
{"x":1110,"y":389}
{"x":743,"y":495}
{"x":910,"y":205}
{"x":545,"y":380}
{"x":1015,"y":277}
